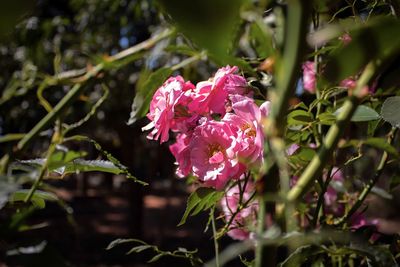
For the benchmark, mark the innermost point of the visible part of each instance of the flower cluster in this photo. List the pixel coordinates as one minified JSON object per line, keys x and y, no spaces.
{"x":218,"y":126}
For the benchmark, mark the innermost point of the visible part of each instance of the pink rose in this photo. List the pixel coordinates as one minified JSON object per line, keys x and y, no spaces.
{"x":180,"y":150}
{"x":212,"y":157}
{"x":246,"y":122}
{"x":309,"y":77}
{"x":211,"y":96}
{"x":247,"y":216}
{"x":168,"y":109}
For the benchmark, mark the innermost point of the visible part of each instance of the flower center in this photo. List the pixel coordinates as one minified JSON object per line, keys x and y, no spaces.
{"x":248,"y":130}
{"x":214,"y":149}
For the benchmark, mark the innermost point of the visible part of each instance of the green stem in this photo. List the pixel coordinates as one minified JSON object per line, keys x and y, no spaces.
{"x":216,"y":245}
{"x":260,"y":231}
{"x":367,"y":189}
{"x":44,"y":167}
{"x":318,"y":162}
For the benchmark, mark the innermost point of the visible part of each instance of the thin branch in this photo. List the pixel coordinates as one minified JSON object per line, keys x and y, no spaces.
{"x":371,"y":183}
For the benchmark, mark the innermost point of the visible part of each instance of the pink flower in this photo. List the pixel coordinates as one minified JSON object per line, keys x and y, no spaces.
{"x":212,"y":157}
{"x":168,"y":109}
{"x":309,"y":77}
{"x":246,"y":217}
{"x":246,"y":122}
{"x":348,"y":83}
{"x":180,"y":150}
{"x":345,"y":38}
{"x":211,"y":96}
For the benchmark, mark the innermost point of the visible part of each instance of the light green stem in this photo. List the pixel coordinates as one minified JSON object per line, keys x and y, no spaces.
{"x":216,"y":245}
{"x":318,"y":162}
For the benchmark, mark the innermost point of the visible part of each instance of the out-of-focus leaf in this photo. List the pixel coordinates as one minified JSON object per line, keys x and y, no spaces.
{"x":39,"y":198}
{"x":211,"y":24}
{"x":201,"y":199}
{"x":301,"y":255}
{"x":302,"y":156}
{"x":381,"y":143}
{"x":362,"y":113}
{"x":261,"y":40}
{"x":155,"y":258}
{"x":390,"y":111}
{"x":374,"y":40}
{"x":141,"y":102}
{"x":5,"y":190}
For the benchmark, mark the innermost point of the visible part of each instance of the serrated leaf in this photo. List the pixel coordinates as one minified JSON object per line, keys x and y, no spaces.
{"x":390,"y":111}
{"x":60,"y":158}
{"x":80,"y":165}
{"x":362,"y":113}
{"x":201,"y":199}
{"x":141,"y":102}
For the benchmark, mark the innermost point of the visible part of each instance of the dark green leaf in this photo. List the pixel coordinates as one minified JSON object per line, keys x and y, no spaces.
{"x":299,"y":117}
{"x":141,"y":102}
{"x":301,"y":255}
{"x":390,"y":111}
{"x":119,"y":241}
{"x":155,"y":258}
{"x":201,"y":199}
{"x":39,"y":198}
{"x":327,"y":118}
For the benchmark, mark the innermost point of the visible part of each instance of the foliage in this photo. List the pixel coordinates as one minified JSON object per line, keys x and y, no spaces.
{"x":329,"y":70}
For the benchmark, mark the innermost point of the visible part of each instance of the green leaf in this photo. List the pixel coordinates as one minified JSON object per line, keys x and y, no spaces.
{"x":261,"y":39}
{"x":155,"y":258}
{"x":390,"y":111}
{"x":141,"y":102}
{"x":211,"y":24}
{"x":201,"y":199}
{"x":138,"y":249}
{"x":373,"y":40}
{"x":299,"y":117}
{"x":80,"y":165}
{"x":61,"y":157}
{"x":38,"y":199}
{"x":327,"y":118}
{"x":362,"y":113}
{"x":302,"y":156}
{"x":120,"y":241}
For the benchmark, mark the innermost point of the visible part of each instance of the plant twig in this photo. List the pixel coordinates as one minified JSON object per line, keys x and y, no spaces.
{"x":367,"y":189}
{"x":78,"y":87}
